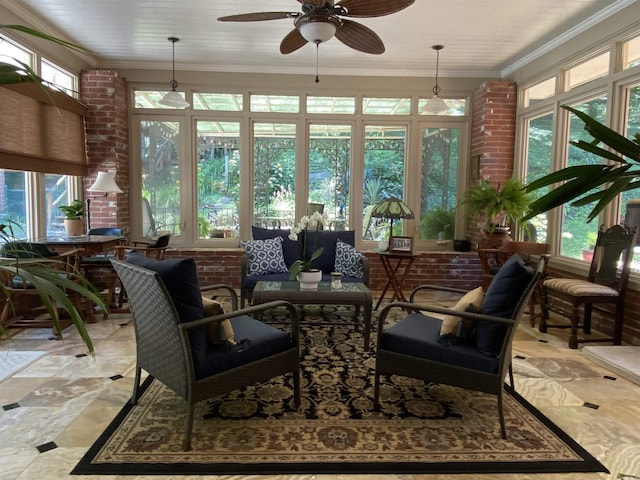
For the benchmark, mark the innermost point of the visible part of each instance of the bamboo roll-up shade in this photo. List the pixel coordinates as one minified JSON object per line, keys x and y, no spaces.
{"x":41,"y":131}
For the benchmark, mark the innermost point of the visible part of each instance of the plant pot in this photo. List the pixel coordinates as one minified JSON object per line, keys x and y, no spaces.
{"x":74,"y":228}
{"x":587,"y":254}
{"x":309,"y":280}
{"x":497,"y":238}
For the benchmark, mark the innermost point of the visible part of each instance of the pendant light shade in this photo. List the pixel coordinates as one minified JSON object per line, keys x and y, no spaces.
{"x":173,"y":98}
{"x":435,"y":104}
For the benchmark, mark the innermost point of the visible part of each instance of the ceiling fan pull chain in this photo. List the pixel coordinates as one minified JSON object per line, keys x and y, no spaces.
{"x":317,"y":42}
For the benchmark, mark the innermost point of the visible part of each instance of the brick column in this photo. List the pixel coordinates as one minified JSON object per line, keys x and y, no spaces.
{"x":107,"y":128}
{"x":493,"y":129}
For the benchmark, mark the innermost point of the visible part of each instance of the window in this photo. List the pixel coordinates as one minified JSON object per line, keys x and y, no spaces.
{"x":386,"y":106}
{"x":440,"y":161}
{"x":586,"y":71}
{"x":218,"y":179}
{"x":13,"y":200}
{"x":11,"y":52}
{"x":631,"y":53}
{"x":539,"y":91}
{"x":275,"y":103}
{"x":332,"y":105}
{"x":577,"y":234}
{"x":160,"y":168}
{"x":274,"y":170}
{"x":539,"y":150}
{"x":329,"y":163}
{"x":58,"y":78}
{"x":384,"y":174}
{"x":220,"y":102}
{"x":151,"y":99}
{"x":457,"y":107}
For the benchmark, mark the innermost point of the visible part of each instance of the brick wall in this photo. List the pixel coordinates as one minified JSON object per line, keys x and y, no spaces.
{"x":107,"y":132}
{"x":493,"y":129}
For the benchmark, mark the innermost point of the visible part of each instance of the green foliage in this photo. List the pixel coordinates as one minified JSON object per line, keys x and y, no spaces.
{"x":439,"y":220}
{"x":499,"y":206}
{"x":204,"y":226}
{"x":53,"y":288}
{"x":75,"y":211}
{"x":621,"y":174}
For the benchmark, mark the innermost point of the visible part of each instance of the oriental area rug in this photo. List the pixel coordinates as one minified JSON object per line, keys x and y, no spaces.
{"x":420,"y":428}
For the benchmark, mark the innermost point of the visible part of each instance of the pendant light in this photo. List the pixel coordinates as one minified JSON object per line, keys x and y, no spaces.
{"x":173,"y":98}
{"x":435,"y":104}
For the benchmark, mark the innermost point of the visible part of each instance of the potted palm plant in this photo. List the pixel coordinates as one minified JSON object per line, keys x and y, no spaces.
{"x":500,"y":206}
{"x":73,"y":218}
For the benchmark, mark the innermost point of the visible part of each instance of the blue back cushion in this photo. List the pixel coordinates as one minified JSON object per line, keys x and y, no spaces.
{"x":500,"y":300}
{"x":290,"y":249}
{"x":328,"y":240}
{"x":180,"y":276}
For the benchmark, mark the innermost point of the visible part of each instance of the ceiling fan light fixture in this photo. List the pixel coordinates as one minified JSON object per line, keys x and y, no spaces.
{"x":435,"y":104}
{"x":317,"y":28}
{"x":173,"y":98}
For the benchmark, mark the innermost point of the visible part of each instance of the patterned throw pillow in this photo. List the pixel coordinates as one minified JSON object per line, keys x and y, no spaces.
{"x":348,"y":260}
{"x":265,"y":256}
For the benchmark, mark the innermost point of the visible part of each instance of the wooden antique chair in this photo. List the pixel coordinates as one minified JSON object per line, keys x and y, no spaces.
{"x":476,"y":360}
{"x":173,"y":337}
{"x":100,"y":264}
{"x":606,"y":284}
{"x":491,"y":259}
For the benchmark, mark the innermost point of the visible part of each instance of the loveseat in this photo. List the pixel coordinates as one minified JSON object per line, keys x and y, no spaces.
{"x":269,"y":255}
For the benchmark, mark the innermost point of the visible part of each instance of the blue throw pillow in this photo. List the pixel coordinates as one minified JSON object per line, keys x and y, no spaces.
{"x":349,"y":261}
{"x":500,"y":300}
{"x":290,"y":248}
{"x":265,"y":256}
{"x":327,"y":239}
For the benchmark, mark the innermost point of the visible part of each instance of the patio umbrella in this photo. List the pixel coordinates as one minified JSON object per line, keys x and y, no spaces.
{"x":392,"y":208}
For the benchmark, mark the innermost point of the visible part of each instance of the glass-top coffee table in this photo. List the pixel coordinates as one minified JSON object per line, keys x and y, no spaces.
{"x":351,"y":293}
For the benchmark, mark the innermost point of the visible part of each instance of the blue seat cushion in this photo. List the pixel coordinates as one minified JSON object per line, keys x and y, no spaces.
{"x":255,"y":339}
{"x":418,"y":335}
{"x":500,"y":300}
{"x":290,"y":248}
{"x":328,"y":240}
{"x":180,"y":276}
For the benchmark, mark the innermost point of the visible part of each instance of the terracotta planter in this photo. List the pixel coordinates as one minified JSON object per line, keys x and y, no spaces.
{"x":74,"y":228}
{"x":309,"y":280}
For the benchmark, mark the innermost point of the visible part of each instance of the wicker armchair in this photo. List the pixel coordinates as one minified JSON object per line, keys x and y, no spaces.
{"x":414,"y":346}
{"x":171,"y":349}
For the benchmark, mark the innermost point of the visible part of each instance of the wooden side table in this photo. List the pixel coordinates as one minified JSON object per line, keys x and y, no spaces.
{"x":396,"y":265}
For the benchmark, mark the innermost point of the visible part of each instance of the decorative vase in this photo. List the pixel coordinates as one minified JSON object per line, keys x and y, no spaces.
{"x":309,"y":280}
{"x":496,"y":239}
{"x":73,"y":227}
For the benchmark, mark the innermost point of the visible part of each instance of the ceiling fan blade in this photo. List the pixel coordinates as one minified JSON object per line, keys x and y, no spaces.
{"x":359,"y":37}
{"x":255,"y":17}
{"x":292,"y":42}
{"x":367,"y":8}
{"x":314,"y":2}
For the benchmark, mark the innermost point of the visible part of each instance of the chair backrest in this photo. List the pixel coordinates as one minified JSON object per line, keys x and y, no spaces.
{"x":105,"y":231}
{"x":493,"y":258}
{"x":366,"y":221}
{"x":161,"y":242}
{"x":149,"y":226}
{"x":26,"y":250}
{"x":315,"y":207}
{"x":161,"y":346}
{"x":613,"y":253}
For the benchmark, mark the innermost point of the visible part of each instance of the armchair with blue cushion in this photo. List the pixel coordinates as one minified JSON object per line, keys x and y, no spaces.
{"x":270,"y":254}
{"x":190,"y":350}
{"x":470,"y":347}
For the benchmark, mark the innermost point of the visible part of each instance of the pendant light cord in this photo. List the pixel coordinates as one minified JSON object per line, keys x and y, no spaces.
{"x":317,"y":42}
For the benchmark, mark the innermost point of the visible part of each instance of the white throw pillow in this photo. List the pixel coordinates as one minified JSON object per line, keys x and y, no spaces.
{"x":473,"y":298}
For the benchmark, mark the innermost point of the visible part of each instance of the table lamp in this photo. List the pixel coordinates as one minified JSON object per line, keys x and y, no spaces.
{"x":105,"y":183}
{"x":392,"y":208}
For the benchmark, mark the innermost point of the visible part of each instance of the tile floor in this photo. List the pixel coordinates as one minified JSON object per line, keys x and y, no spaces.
{"x":54,"y":408}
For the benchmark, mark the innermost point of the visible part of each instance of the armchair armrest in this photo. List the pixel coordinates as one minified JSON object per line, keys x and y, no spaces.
{"x":223,"y":286}
{"x":433,"y":287}
{"x":293,"y":313}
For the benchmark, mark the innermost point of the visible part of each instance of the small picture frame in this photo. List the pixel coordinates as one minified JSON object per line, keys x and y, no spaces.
{"x":401,"y":244}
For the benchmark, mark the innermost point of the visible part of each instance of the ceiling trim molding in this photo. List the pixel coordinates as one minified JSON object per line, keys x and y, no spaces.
{"x":566,"y":36}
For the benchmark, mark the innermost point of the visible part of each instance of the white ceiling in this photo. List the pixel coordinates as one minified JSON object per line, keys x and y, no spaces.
{"x":482,"y":38}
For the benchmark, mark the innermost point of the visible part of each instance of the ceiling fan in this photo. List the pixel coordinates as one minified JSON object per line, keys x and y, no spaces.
{"x":320,"y":20}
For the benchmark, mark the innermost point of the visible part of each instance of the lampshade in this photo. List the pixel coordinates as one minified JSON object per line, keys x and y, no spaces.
{"x":435,"y":104}
{"x":393,"y":208}
{"x":317,"y":28}
{"x":105,"y":183}
{"x":173,"y":98}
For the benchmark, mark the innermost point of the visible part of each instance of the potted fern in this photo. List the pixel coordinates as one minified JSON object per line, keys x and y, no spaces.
{"x":500,"y":206}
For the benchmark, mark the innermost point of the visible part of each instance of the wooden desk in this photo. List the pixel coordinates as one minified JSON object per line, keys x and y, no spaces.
{"x":90,"y":244}
{"x":396,"y":274}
